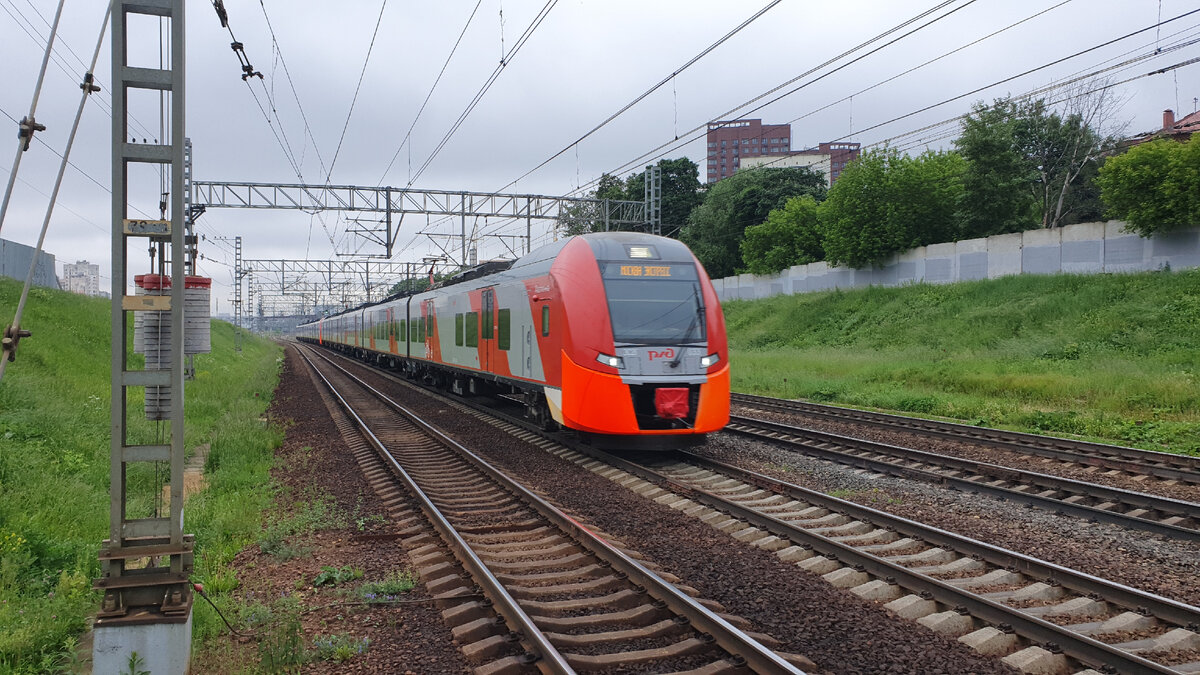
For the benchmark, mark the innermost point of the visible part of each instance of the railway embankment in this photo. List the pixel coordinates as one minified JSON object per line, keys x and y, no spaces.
{"x":54,"y":469}
{"x":1109,"y":357}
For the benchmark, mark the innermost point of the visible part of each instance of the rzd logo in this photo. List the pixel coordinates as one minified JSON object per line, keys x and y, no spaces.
{"x":668,"y":353}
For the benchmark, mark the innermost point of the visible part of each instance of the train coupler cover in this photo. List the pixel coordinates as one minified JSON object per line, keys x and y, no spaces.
{"x":671,"y":403}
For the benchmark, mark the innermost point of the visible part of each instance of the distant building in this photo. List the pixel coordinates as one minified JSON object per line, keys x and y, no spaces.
{"x":1173,"y":129}
{"x":748,"y":143}
{"x":729,"y":142}
{"x":82,"y":277}
{"x":828,"y":158}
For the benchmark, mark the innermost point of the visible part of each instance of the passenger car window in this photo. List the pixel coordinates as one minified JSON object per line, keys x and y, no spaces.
{"x":504,"y":320}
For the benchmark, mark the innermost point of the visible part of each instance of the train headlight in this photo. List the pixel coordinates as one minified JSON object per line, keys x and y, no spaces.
{"x":709,"y":360}
{"x":613,"y":361}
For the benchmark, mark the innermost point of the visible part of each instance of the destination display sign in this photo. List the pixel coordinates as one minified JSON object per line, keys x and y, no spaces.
{"x":674,"y":272}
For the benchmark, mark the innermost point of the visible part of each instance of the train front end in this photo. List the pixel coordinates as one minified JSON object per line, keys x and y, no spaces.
{"x":645,"y":361}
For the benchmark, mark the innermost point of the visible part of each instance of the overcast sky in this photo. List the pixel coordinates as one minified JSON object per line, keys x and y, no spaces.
{"x":582,"y":63}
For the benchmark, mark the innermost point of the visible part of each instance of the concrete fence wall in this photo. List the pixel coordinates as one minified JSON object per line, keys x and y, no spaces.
{"x":1086,"y":248}
{"x":14,"y":262}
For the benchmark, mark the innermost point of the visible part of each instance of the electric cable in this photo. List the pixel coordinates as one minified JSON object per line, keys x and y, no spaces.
{"x":354,"y":100}
{"x":639,"y":98}
{"x":412,"y":126}
{"x":504,"y":62}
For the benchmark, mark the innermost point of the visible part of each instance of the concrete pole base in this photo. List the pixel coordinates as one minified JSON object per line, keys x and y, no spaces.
{"x":163,"y":648}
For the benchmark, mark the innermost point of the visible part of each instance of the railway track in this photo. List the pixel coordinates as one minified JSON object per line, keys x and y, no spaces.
{"x":1162,"y":465}
{"x":1160,"y":515}
{"x":1047,"y":618}
{"x":561,"y":598}
{"x":1040,"y":617}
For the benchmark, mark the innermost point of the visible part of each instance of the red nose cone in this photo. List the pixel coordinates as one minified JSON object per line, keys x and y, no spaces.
{"x":671,"y":403}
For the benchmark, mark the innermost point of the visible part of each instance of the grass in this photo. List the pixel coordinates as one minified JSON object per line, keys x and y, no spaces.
{"x":1111,"y":357}
{"x":54,"y":467}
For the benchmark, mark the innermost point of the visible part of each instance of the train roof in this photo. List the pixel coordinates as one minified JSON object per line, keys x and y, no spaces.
{"x":617,"y":245}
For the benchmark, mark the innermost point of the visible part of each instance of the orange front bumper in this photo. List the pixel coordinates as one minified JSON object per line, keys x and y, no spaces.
{"x":601,"y":403}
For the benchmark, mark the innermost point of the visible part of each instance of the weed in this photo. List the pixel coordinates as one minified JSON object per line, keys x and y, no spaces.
{"x":395,"y":583}
{"x":332,"y":576}
{"x":340,"y":647}
{"x":136,"y":665}
{"x":281,"y":648}
{"x":841,"y":494}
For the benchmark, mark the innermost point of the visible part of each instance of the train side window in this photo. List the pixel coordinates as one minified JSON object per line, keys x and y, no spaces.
{"x":471,"y":329}
{"x":503,"y":321}
{"x":412,"y":330}
{"x":545,"y":320}
{"x":402,"y":330}
{"x":421,"y":330}
{"x":458,"y":329}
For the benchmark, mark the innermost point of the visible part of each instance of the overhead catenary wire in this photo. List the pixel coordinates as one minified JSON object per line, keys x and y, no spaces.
{"x":670,"y":146}
{"x":67,"y":69}
{"x":88,"y":88}
{"x":690,"y":135}
{"x":28,"y":126}
{"x":295,"y":95}
{"x":504,"y":63}
{"x":639,"y":98}
{"x":363,"y":72}
{"x":408,"y":134}
{"x":732,"y":115}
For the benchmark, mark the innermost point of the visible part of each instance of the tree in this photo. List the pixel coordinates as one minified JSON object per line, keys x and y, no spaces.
{"x":790,"y":236}
{"x":680,"y":194}
{"x":1030,"y":164}
{"x":1155,"y":186}
{"x":885,"y":202}
{"x":680,"y":191}
{"x":716,"y":227}
{"x":996,"y":198}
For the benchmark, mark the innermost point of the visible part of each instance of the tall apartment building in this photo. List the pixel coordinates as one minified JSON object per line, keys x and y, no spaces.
{"x":82,"y":277}
{"x":731,"y":143}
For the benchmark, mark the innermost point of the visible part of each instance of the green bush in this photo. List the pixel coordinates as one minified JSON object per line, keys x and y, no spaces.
{"x":1155,"y":186}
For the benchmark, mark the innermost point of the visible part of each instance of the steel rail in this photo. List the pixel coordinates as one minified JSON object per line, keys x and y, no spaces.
{"x":813,"y":443}
{"x":550,"y":658}
{"x":728,"y":637}
{"x":1165,"y":465}
{"x":1083,"y":648}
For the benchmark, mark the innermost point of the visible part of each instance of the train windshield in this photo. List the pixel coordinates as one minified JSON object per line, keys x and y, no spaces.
{"x":657,"y":303}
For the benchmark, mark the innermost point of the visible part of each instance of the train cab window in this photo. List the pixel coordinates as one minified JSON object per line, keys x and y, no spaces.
{"x":458,"y":329}
{"x":471,"y":329}
{"x":503,"y":328}
{"x":545,"y":320}
{"x":654,"y":303}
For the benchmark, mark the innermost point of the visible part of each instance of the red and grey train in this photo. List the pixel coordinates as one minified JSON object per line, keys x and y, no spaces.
{"x":618,"y":335}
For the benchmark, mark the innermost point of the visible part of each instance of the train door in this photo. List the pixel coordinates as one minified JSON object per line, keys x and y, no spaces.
{"x":428,"y":330}
{"x":487,"y":328}
{"x":527,"y":347}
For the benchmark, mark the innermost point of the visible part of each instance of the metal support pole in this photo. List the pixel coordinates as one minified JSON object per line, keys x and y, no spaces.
{"x":237,"y":293}
{"x":146,"y":608}
{"x":463,"y":235}
{"x":387,"y":195}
